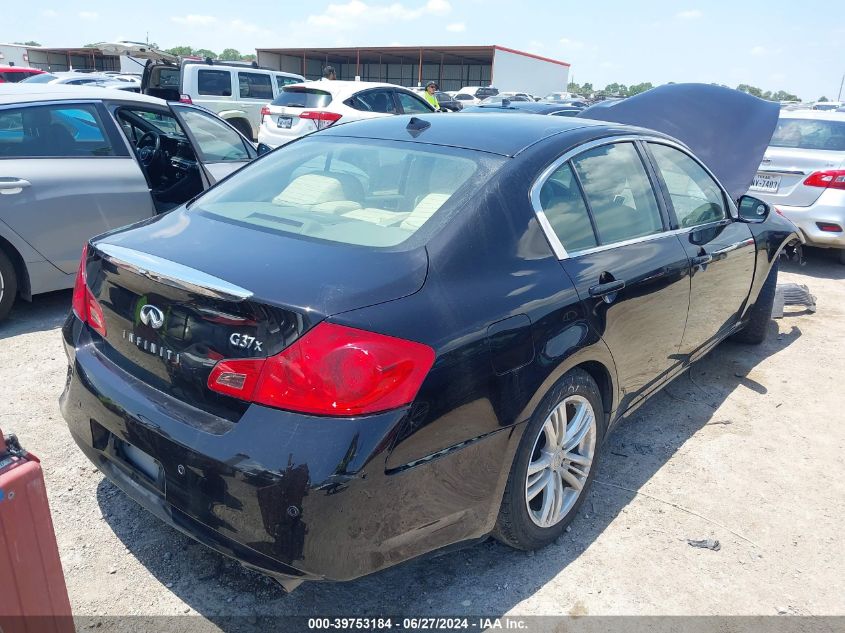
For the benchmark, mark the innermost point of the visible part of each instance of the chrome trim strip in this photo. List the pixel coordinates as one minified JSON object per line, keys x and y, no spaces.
{"x":734,"y":247}
{"x":796,"y":172}
{"x":171,"y":274}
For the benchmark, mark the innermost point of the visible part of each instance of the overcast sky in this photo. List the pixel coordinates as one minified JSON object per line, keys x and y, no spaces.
{"x":795,"y":46}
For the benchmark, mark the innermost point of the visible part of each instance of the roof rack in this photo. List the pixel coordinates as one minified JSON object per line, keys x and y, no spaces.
{"x":219,"y":62}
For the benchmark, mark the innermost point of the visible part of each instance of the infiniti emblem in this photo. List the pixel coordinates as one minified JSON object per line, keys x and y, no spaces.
{"x":152,"y":316}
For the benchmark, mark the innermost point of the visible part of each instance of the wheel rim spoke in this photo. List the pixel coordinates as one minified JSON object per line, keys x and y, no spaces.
{"x":564,"y":449}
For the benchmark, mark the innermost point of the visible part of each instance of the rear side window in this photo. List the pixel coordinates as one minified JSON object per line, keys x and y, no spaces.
{"x":283,"y":80}
{"x":16,"y":76}
{"x":696,"y":197}
{"x":255,"y":86}
{"x":810,"y":134}
{"x":64,"y":131}
{"x":373,"y":101}
{"x":217,"y":83}
{"x":619,"y":192}
{"x":297,"y":97}
{"x":566,"y":211}
{"x":367,"y":193}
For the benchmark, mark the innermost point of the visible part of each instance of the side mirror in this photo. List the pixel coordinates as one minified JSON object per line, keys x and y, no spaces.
{"x":263,"y":148}
{"x":753,"y":210}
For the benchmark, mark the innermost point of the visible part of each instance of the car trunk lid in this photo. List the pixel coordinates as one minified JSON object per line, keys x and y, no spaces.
{"x":784,"y":169}
{"x":181,"y":292}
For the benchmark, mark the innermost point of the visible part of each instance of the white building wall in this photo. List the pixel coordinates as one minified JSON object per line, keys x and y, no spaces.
{"x":520,"y":73}
{"x":12,"y":54}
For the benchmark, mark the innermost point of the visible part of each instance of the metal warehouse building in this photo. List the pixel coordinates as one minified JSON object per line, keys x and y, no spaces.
{"x":452,"y":67}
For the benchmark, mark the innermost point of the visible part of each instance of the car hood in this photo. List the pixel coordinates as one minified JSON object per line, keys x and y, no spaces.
{"x":137,"y":50}
{"x":727,"y":129}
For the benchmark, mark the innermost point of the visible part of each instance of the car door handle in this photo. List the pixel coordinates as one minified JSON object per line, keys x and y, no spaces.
{"x":13,"y":185}
{"x":722,"y":252}
{"x":701,"y":260}
{"x":602,"y":290}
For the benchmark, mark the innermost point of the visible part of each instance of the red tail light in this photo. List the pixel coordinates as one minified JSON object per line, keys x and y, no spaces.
{"x":185,"y":99}
{"x":833,"y":179}
{"x":321,"y":118}
{"x":265,"y":111}
{"x":85,"y":305}
{"x":332,"y":370}
{"x":829,"y":227}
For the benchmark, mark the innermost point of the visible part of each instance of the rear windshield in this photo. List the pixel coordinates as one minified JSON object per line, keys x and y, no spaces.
{"x":42,"y":78}
{"x":14,"y":76}
{"x":810,"y":134}
{"x":483,"y":93}
{"x":368,"y":193}
{"x":298,"y":97}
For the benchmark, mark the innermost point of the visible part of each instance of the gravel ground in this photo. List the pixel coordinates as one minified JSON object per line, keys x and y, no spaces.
{"x":747,"y":449}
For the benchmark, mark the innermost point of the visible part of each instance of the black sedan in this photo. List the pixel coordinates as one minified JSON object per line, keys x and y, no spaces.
{"x":448,"y":102}
{"x":402,"y":334}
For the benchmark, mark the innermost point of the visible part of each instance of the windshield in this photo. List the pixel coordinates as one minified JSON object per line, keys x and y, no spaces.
{"x":481,"y":93}
{"x":43,"y":78}
{"x":810,"y":134}
{"x":368,"y":193}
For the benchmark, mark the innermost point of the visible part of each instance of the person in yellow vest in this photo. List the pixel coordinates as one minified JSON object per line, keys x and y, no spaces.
{"x":430,"y":89}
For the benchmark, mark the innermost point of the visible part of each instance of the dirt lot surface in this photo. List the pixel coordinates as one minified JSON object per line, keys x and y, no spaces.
{"x":748,"y":449}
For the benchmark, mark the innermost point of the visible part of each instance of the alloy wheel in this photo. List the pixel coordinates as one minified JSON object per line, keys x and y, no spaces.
{"x":560,"y":463}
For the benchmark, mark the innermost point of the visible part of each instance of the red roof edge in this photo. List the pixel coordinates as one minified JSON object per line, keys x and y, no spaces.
{"x":531,"y":55}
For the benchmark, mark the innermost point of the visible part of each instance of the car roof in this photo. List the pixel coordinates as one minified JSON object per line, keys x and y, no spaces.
{"x":533,"y":107}
{"x":826,"y":115}
{"x":20,"y":69}
{"x":496,"y":133}
{"x":30,"y":93}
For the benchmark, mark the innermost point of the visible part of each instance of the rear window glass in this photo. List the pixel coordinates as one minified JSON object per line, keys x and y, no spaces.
{"x":217,"y":83}
{"x":810,"y":134}
{"x":372,"y":193}
{"x":303,"y":98}
{"x":483,"y":93}
{"x":41,"y":78}
{"x":283,"y":80}
{"x":14,"y":76}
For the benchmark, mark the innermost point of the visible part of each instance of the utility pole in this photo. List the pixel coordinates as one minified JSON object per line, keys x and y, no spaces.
{"x":841,"y":83}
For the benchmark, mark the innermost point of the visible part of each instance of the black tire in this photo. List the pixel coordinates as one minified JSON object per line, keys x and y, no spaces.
{"x":242,"y":126}
{"x":757,"y":328}
{"x":842,"y":256}
{"x":8,"y":285}
{"x":514,"y":526}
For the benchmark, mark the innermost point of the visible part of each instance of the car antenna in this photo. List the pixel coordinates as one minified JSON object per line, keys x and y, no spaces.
{"x":417,"y":126}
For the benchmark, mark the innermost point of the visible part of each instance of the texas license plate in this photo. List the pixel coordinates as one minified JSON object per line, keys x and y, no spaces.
{"x":285,"y":122}
{"x":766,"y":183}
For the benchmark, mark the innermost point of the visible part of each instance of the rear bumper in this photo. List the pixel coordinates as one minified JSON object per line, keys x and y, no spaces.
{"x":830,"y":207}
{"x":294,"y":496}
{"x":268,"y":135}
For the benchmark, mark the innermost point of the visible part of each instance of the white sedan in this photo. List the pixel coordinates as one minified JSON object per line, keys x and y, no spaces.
{"x":314,"y":105}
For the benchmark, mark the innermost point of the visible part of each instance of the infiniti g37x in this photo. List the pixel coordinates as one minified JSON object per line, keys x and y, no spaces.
{"x":403,"y":334}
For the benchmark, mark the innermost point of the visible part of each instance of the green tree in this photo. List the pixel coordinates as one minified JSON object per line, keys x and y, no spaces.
{"x":639,"y":88}
{"x":181,"y":51}
{"x":28,"y":43}
{"x":231,"y":55}
{"x":823,"y":99}
{"x":249,"y":58}
{"x":783,"y":95}
{"x":204,"y":52}
{"x":752,"y":90}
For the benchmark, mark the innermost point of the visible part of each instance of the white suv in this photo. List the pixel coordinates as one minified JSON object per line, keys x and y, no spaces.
{"x":314,"y":105}
{"x":235,"y":91}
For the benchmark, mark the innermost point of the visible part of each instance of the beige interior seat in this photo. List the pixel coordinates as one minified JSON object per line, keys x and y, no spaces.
{"x":318,"y":192}
{"x":425,"y":208}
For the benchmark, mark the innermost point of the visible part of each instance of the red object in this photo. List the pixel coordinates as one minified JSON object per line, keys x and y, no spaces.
{"x":832,"y":178}
{"x":332,"y":370}
{"x":321,"y":118}
{"x":829,"y":227}
{"x":185,"y":99}
{"x":84,"y":304}
{"x":265,"y":111}
{"x":33,"y":595}
{"x":14,"y":74}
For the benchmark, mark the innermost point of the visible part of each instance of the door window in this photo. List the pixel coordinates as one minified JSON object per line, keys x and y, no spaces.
{"x":696,"y":197}
{"x":373,"y":101}
{"x":53,"y":131}
{"x":411,"y":104}
{"x":255,"y":86}
{"x":619,"y":192}
{"x":216,"y":141}
{"x":566,"y":211}
{"x":216,"y":83}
